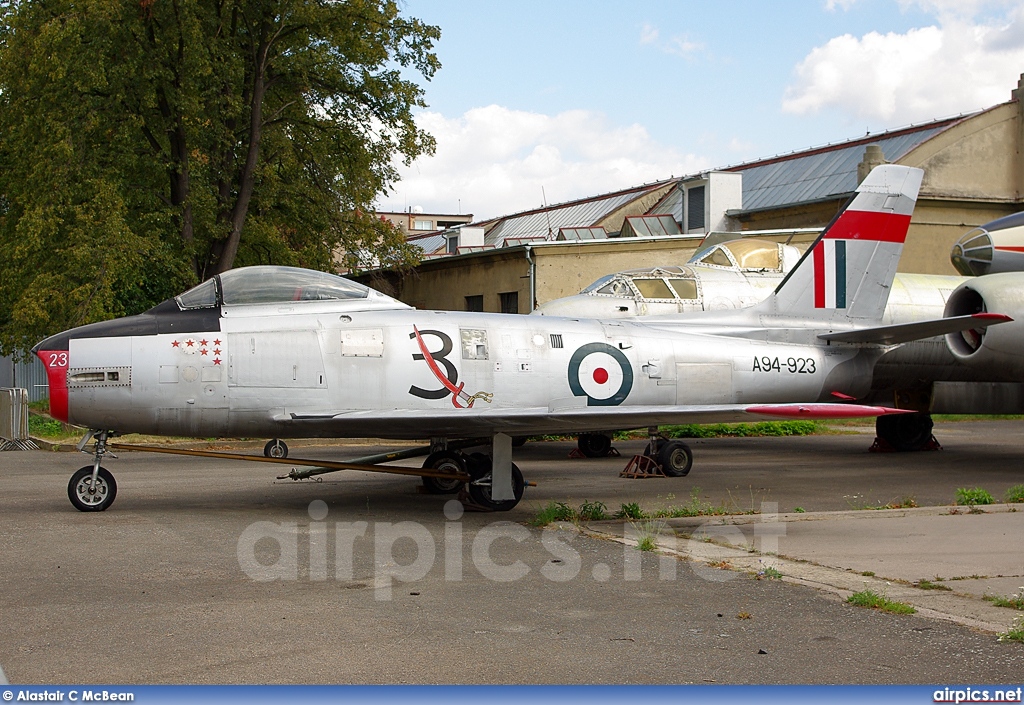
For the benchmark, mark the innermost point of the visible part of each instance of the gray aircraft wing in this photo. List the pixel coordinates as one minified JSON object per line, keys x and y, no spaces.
{"x":538,"y":420}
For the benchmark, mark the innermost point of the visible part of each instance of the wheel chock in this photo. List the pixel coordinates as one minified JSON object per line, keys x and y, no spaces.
{"x":642,"y":466}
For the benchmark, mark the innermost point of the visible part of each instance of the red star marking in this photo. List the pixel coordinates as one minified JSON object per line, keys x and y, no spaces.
{"x":202,"y":342}
{"x":203,"y":351}
{"x":216,"y":360}
{"x":190,"y":343}
{"x":600,"y":375}
{"x":216,"y":342}
{"x":216,"y":351}
{"x":175,"y":344}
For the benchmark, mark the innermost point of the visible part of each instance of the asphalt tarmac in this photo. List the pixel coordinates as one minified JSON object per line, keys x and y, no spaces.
{"x":212,"y":571}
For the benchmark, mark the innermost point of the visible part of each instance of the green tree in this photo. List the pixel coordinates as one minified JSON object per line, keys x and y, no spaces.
{"x":147,"y":145}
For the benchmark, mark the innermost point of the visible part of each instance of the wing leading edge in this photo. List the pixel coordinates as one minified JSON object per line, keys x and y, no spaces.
{"x":457,"y":423}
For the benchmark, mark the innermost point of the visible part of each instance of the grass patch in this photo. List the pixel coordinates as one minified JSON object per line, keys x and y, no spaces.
{"x":46,"y":427}
{"x":1013,"y":602}
{"x":631,"y":511}
{"x":553,"y":511}
{"x":1015,"y":632}
{"x":646,"y":543}
{"x":739,"y":430}
{"x":1014,"y":494}
{"x":696,"y":507}
{"x":929,"y":585}
{"x":971,"y":496}
{"x":593,"y":511}
{"x":561,"y":511}
{"x":870,"y":598}
{"x":977,"y":417}
{"x":768,"y":573}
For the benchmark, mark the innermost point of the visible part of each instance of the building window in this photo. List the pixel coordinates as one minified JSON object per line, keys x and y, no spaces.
{"x":509,"y":302}
{"x":422,"y":225}
{"x":475,"y":303}
{"x":695,"y":208}
{"x":453,"y":246}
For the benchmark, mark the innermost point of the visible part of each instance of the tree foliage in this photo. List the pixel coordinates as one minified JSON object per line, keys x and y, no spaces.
{"x":146,"y":145}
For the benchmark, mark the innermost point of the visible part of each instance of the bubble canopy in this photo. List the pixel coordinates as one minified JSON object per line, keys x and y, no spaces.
{"x":270,"y":285}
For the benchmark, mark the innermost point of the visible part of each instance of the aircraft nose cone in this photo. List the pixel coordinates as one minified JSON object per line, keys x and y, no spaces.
{"x":972,"y":253}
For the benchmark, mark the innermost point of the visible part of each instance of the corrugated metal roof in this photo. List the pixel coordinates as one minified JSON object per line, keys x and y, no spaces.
{"x":575,"y":214}
{"x":823,"y":173}
{"x":598,"y":233}
{"x":650,"y":226}
{"x":431,"y":243}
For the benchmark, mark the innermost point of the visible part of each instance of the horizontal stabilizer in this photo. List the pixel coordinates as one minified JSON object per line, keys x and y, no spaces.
{"x":907,"y":332}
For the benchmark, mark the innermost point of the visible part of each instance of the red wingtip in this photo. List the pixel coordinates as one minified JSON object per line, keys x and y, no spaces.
{"x":997,"y":317}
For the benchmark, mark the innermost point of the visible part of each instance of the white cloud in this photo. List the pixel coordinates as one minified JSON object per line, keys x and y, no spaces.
{"x":957,"y":66}
{"x":832,"y":5}
{"x":678,"y":45}
{"x":648,"y":34}
{"x":494,"y":161}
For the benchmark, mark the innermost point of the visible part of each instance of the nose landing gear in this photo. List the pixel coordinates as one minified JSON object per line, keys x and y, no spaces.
{"x":92,"y":488}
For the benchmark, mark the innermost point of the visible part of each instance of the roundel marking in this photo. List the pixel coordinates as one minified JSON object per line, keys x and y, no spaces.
{"x":601,"y":373}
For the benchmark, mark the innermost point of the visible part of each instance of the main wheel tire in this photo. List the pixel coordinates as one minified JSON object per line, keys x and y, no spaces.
{"x":480,"y":490}
{"x":275,"y":448}
{"x":675,"y":458}
{"x":594,"y":445}
{"x":87,"y":498}
{"x":444,"y":461}
{"x":905,"y":432}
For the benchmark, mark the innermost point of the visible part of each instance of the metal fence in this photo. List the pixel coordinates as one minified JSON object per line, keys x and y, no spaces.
{"x":14,"y":420}
{"x":29,"y":375}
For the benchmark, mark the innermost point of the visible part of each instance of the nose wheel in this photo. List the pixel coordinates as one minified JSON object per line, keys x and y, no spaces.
{"x":92,"y":494}
{"x":275,"y":448}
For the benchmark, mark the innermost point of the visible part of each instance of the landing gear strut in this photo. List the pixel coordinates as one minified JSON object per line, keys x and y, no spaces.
{"x":92,"y":488}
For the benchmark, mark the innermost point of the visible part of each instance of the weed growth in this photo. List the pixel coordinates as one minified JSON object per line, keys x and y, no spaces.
{"x":1014,"y":601}
{"x":870,"y":598}
{"x":631,"y":511}
{"x":974,"y":495}
{"x":1014,"y":494}
{"x":1015,"y":632}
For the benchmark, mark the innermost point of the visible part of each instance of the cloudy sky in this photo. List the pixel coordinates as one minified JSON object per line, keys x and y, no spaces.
{"x":551,"y":100}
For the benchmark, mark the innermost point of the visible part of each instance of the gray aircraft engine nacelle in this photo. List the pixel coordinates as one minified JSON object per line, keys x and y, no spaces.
{"x":997,"y":349}
{"x":991,"y":248}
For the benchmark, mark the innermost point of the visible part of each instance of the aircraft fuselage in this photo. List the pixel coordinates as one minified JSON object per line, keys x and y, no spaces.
{"x":309,"y":369}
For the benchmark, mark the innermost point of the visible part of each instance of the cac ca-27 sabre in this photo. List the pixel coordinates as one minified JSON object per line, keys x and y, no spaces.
{"x":282,"y":352}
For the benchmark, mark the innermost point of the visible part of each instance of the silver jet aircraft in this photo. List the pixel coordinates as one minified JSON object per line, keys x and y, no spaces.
{"x":282,"y":352}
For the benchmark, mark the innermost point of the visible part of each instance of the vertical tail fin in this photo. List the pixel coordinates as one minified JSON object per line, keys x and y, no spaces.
{"x":847,"y":273}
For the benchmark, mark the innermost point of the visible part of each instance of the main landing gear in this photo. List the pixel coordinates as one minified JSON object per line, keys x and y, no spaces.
{"x":904,"y":432}
{"x":480,"y":469}
{"x":663,"y":457}
{"x":488,"y":482}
